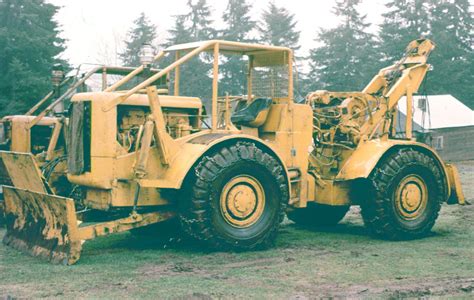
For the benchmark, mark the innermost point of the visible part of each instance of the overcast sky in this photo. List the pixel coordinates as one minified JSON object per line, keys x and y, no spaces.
{"x":94,"y":28}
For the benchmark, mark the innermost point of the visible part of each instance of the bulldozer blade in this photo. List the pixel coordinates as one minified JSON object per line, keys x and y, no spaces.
{"x":23,"y":171}
{"x":42,"y":225}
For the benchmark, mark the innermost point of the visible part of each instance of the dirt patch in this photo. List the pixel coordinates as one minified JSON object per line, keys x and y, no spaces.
{"x":343,"y":261}
{"x":210,"y":271}
{"x":398,"y":288}
{"x":172,"y":269}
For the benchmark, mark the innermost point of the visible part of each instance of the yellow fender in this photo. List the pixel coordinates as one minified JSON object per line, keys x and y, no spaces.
{"x":364,"y":159}
{"x":194,"y":149}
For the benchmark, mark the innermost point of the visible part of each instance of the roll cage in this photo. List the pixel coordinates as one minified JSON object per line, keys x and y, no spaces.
{"x":259,"y":56}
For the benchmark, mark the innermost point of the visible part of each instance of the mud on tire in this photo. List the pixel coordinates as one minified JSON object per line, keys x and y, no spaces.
{"x":204,"y":217}
{"x":405,"y":195}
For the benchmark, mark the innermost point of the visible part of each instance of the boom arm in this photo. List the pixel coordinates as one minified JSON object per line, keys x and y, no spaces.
{"x":360,"y":115}
{"x":394,"y":82}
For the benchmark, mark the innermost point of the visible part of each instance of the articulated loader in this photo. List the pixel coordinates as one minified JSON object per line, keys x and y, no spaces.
{"x":231,"y":183}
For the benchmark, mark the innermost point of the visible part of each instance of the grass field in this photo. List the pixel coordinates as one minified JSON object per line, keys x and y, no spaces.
{"x":339,"y":262}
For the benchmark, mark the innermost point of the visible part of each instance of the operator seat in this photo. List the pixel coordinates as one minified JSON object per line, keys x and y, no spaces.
{"x":252,"y":114}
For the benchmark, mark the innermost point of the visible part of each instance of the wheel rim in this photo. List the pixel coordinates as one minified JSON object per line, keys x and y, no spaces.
{"x":411,"y":197}
{"x":242,"y":201}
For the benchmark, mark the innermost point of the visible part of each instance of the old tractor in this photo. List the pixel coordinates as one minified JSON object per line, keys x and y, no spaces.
{"x":231,"y":183}
{"x":42,"y":131}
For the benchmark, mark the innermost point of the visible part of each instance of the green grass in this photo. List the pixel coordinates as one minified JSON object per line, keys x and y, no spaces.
{"x":343,"y":261}
{"x":304,"y":262}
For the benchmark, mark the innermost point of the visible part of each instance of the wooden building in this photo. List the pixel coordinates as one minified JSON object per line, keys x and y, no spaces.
{"x":442,"y":122}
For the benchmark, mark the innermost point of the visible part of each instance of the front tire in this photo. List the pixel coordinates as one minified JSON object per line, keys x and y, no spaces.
{"x":407,"y":189}
{"x":236,"y":198}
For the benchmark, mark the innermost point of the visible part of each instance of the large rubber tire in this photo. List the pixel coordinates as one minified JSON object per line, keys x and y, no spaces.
{"x":201,"y":212}
{"x":318,"y":215}
{"x":399,"y":175}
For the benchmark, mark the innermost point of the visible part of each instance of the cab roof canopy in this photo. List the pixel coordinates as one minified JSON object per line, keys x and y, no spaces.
{"x":263,"y":55}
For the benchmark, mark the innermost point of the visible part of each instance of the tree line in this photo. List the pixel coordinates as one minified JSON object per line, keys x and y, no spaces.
{"x":346,"y":58}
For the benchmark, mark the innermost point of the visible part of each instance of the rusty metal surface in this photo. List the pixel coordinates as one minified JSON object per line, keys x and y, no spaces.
{"x":4,"y":178}
{"x":23,"y":171}
{"x":41,"y":225}
{"x":134,"y":220}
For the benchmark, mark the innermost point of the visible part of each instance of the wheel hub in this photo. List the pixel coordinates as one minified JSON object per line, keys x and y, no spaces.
{"x":242,"y":201}
{"x":411,"y":197}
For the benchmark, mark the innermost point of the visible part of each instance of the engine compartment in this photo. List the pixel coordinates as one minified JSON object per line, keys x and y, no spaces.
{"x":180,"y":121}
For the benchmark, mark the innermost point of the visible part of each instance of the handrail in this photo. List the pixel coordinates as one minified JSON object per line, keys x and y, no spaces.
{"x":158,"y":75}
{"x":124,"y":79}
{"x":42,"y":101}
{"x":66,"y":94}
{"x":79,"y":83}
{"x":132,"y":74}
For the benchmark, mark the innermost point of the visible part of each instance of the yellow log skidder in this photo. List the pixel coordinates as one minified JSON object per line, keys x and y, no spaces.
{"x":145,"y":156}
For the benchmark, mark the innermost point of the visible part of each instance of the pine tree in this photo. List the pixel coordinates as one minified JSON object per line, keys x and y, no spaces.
{"x":278,"y":27}
{"x":449,"y":23}
{"x":179,"y":33}
{"x":405,"y":21}
{"x":200,"y":21}
{"x":452,"y":30}
{"x":30,"y":45}
{"x":238,"y":21}
{"x":142,"y":32}
{"x":238,"y":25}
{"x":196,"y":25}
{"x":347,"y":59}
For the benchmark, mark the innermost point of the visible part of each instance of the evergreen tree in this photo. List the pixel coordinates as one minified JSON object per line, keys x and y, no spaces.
{"x":449,"y":23}
{"x":196,"y":25}
{"x":179,"y":34}
{"x":347,"y":59}
{"x":238,"y":25}
{"x":278,"y":27}
{"x":238,"y":21}
{"x":200,"y":21}
{"x":452,"y":30}
{"x":142,"y":32}
{"x":405,"y":21}
{"x":30,"y":45}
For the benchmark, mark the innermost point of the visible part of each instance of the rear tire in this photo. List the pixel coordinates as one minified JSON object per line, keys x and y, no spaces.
{"x":407,"y":189}
{"x":318,"y":215}
{"x":236,"y":198}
